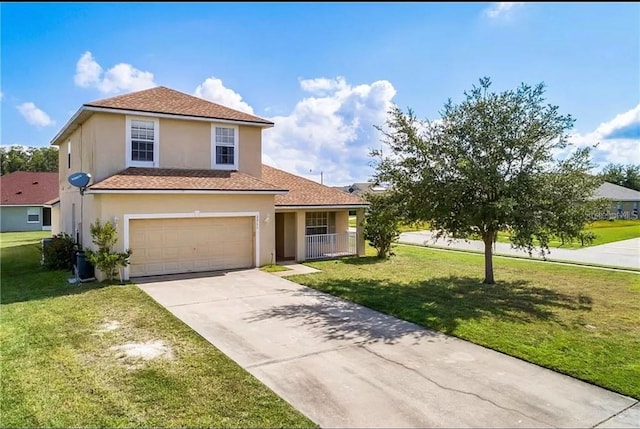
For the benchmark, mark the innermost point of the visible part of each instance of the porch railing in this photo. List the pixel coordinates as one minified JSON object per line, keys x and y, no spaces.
{"x":331,"y":245}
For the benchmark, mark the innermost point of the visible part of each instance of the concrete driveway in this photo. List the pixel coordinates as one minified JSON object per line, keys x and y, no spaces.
{"x":344,"y":365}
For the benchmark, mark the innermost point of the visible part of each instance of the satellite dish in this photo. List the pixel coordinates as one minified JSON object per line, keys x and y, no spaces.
{"x":351,"y":190}
{"x":80,"y":180}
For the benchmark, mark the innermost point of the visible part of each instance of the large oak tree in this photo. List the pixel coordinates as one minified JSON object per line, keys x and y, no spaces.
{"x":487,"y":165}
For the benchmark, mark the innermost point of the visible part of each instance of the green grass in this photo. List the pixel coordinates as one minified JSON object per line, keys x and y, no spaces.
{"x":605,"y":231}
{"x":57,"y":370}
{"x":404,"y":227}
{"x":274,"y":268}
{"x":579,"y":321}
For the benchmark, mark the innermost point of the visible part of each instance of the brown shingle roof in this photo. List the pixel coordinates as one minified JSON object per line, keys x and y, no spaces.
{"x":28,"y":187}
{"x":304,"y":192}
{"x":165,"y":100}
{"x":134,"y":178}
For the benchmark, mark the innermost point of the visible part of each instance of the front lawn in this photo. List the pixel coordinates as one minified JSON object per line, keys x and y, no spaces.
{"x":403,"y":227}
{"x":67,"y":358}
{"x":606,"y":232}
{"x":579,"y":321}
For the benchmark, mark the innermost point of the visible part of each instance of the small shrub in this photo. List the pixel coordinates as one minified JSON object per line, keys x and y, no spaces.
{"x":58,"y":253}
{"x":381,"y":224}
{"x":586,"y":237}
{"x":105,"y":237}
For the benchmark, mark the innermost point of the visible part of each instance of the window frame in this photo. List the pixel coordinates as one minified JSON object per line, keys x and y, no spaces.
{"x":321,"y":216}
{"x":38,"y":213}
{"x":156,"y":142}
{"x":236,"y":144}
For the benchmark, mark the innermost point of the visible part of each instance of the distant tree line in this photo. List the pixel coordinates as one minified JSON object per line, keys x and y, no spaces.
{"x":623,"y":175}
{"x":19,"y":158}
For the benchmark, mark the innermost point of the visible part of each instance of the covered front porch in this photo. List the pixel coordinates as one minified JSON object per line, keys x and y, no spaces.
{"x":317,"y":233}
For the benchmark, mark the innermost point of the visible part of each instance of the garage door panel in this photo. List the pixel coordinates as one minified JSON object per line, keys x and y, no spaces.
{"x":165,"y":246}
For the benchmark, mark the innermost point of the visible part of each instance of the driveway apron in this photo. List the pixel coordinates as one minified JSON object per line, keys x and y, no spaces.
{"x":344,"y":365}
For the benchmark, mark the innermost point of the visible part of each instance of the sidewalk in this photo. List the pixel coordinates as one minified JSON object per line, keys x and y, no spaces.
{"x":623,"y":254}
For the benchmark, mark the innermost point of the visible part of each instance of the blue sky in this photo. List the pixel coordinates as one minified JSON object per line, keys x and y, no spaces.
{"x":325,"y":73}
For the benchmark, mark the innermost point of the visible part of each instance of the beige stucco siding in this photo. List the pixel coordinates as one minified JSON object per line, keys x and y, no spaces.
{"x":55,"y":220}
{"x":182,"y":144}
{"x":185,"y":144}
{"x":113,"y":206}
{"x":250,"y":148}
{"x":107,"y":140}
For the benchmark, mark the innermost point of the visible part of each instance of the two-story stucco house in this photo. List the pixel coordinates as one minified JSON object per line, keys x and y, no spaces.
{"x":183,"y":180}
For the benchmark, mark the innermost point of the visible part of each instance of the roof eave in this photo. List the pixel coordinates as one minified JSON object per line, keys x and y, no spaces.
{"x":320,"y":206}
{"x":65,"y":131}
{"x":93,"y":108}
{"x":187,"y":191}
{"x":86,"y":110}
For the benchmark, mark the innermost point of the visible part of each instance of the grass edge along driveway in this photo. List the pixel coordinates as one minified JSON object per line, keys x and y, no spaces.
{"x":578,"y":321}
{"x":61,"y":365}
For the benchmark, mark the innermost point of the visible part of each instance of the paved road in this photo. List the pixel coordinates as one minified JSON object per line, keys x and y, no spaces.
{"x":344,"y":365}
{"x":619,"y":254}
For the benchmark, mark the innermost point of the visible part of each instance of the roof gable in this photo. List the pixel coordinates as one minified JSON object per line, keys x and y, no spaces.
{"x":169,"y":101}
{"x":28,"y":188}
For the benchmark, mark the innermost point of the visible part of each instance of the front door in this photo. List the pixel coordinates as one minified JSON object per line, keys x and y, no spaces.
{"x":46,"y":218}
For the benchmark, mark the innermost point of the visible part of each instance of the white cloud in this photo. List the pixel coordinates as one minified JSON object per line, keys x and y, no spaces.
{"x":322,"y":85}
{"x":34,"y":115}
{"x":618,"y":140}
{"x":331,"y":132}
{"x":88,"y":71}
{"x":213,"y":89}
{"x":120,"y":78}
{"x":501,"y":9}
{"x":1,"y":95}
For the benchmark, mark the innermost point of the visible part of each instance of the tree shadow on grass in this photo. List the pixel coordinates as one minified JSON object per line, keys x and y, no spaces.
{"x":362,"y":260}
{"x":440,"y":303}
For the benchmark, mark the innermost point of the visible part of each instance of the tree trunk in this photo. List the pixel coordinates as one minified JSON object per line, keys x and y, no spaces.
{"x":488,"y":239}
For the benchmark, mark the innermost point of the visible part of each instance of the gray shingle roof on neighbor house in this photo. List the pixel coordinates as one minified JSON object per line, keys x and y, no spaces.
{"x":616,"y":192}
{"x":361,"y":188}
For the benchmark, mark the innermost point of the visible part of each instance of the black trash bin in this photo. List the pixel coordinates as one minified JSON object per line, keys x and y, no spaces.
{"x":83,"y":267}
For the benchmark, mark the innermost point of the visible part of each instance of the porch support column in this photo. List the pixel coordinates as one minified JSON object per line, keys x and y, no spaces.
{"x":301,"y":241}
{"x":359,"y":232}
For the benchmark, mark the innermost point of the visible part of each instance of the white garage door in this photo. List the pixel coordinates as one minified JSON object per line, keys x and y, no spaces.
{"x":167,"y":246}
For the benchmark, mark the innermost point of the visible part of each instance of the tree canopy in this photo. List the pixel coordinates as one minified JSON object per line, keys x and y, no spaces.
{"x":19,"y":158}
{"x":487,"y":165}
{"x":623,"y":175}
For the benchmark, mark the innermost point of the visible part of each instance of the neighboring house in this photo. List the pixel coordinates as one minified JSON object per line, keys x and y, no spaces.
{"x":362,"y":188}
{"x":624,"y":201}
{"x":27,"y":198}
{"x":182,"y":178}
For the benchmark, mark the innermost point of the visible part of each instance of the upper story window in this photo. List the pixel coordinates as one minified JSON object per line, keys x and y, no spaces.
{"x":224,"y":145}
{"x":69,"y":154}
{"x":142,"y":142}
